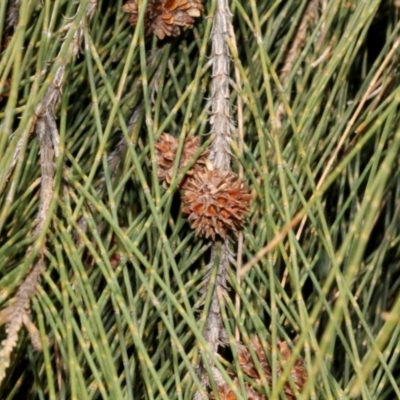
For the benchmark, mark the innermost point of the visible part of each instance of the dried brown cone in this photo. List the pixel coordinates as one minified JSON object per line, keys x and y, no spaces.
{"x":165,"y":17}
{"x":298,"y":372}
{"x":6,"y":42}
{"x":6,"y":93}
{"x":217,"y":202}
{"x":226,"y":393}
{"x":166,"y":150}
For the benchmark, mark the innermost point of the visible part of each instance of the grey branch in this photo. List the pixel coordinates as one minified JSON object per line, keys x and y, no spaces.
{"x":52,"y":95}
{"x":220,"y":121}
{"x":12,"y":16}
{"x":17,"y":314}
{"x":214,"y":332}
{"x":220,"y":155}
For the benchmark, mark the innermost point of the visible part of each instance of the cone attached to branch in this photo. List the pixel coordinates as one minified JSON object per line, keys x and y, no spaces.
{"x":165,"y":17}
{"x":166,"y":150}
{"x":217,"y":202}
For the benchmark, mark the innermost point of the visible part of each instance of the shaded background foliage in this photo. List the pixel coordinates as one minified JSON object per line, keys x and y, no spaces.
{"x":119,"y":308}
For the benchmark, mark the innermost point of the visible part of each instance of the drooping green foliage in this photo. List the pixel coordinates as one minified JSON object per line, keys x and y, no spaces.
{"x":120,"y":308}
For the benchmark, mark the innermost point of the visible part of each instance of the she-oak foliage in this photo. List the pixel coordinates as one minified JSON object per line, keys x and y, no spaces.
{"x":106,"y":291}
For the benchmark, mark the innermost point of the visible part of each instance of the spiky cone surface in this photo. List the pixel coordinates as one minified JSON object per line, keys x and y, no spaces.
{"x":217,"y":202}
{"x":298,"y":372}
{"x":165,"y":17}
{"x":166,"y":150}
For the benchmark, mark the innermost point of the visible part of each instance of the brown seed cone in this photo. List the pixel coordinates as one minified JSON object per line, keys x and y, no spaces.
{"x":298,"y":372}
{"x":6,"y":42}
{"x":165,"y":17}
{"x":217,"y":202}
{"x":226,"y":393}
{"x":166,"y":149}
{"x":5,"y":94}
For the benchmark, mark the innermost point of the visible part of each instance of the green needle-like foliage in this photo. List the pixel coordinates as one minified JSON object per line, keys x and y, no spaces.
{"x":119,"y":302}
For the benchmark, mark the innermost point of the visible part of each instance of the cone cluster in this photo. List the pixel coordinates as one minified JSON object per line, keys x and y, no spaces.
{"x":298,"y":372}
{"x":165,"y":18}
{"x":215,"y":201}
